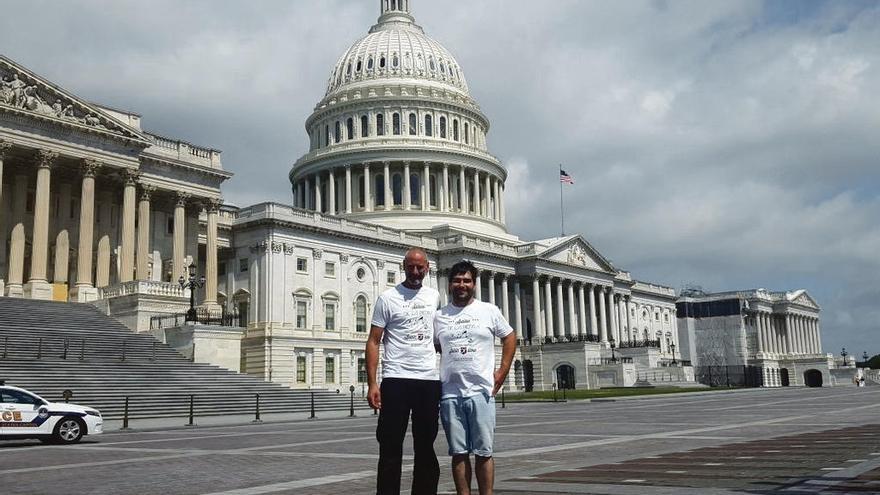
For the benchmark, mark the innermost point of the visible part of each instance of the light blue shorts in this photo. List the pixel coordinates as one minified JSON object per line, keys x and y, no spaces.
{"x":469,"y":423}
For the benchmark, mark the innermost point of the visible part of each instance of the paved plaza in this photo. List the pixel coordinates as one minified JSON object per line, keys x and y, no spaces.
{"x":752,"y":441}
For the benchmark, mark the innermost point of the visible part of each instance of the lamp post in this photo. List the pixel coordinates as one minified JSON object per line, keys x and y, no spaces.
{"x":865,"y":359}
{"x":192,"y":284}
{"x":672,"y":346}
{"x":611,"y":341}
{"x":844,"y":354}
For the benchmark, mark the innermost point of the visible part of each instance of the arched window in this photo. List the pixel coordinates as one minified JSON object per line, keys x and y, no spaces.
{"x":360,"y":314}
{"x":395,"y":61}
{"x":393,"y":4}
{"x":326,"y":135}
{"x":395,"y":123}
{"x":414,"y":189}
{"x":466,"y":139}
{"x":365,"y":126}
{"x":413,"y":124}
{"x":362,"y":193}
{"x":442,"y":127}
{"x":348,"y":69}
{"x":380,"y":124}
{"x":432,"y":194}
{"x":370,"y":63}
{"x":379,"y":189}
{"x":382,"y":62}
{"x":349,"y":128}
{"x":397,"y":189}
{"x":338,"y":134}
{"x":359,"y":66}
{"x":430,"y":64}
{"x":455,"y":129}
{"x":429,"y":125}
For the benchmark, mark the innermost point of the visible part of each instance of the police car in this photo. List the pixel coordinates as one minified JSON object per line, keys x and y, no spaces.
{"x":25,"y":414}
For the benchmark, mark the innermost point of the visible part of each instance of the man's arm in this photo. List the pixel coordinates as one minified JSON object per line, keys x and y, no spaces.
{"x":508,"y":349}
{"x":374,"y":398}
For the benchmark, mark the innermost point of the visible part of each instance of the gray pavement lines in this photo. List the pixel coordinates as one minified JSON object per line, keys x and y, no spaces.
{"x":297,"y":484}
{"x":226,"y":435}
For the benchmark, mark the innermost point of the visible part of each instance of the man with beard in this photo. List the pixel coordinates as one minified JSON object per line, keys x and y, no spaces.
{"x":465,"y":332}
{"x":402,"y":321}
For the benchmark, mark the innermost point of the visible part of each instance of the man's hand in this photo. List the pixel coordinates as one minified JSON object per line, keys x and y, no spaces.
{"x":374,"y":397}
{"x":500,"y":376}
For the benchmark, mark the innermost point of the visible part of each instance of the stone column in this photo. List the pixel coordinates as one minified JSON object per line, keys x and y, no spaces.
{"x":629,"y":329}
{"x":212,"y":208}
{"x":368,"y":197}
{"x":550,"y":331}
{"x":505,"y":299}
{"x":462,"y":191}
{"x":572,"y":321}
{"x":491,"y":288}
{"x":612,"y":316}
{"x":445,"y":197}
{"x":603,"y":318}
{"x":582,"y":319}
{"x":789,"y":329}
{"x":487,"y":206}
{"x":771,"y":330}
{"x":796,"y":334}
{"x":38,"y":287}
{"x":501,"y":201}
{"x":594,"y":330}
{"x":331,"y":192}
{"x":559,"y":330}
{"x":348,"y":189}
{"x":126,"y":259}
{"x":818,"y":335}
{"x":407,"y":193}
{"x":84,"y":290}
{"x":4,"y":150}
{"x":536,"y":309}
{"x":143,"y":233}
{"x":178,"y":255}
{"x":426,"y":187}
{"x":318,"y":197}
{"x":477,"y":203}
{"x":14,"y":286}
{"x":759,"y":335}
{"x":478,"y":290}
{"x":389,"y":197}
{"x":307,"y":188}
{"x":517,"y":308}
{"x":62,"y":236}
{"x":805,"y":341}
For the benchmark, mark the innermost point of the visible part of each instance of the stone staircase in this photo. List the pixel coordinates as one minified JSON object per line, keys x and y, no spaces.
{"x":48,"y":347}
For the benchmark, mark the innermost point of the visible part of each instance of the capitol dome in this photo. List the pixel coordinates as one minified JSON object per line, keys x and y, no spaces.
{"x":397,"y":140}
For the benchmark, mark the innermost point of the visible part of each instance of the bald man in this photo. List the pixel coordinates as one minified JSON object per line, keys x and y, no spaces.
{"x":403,"y":322}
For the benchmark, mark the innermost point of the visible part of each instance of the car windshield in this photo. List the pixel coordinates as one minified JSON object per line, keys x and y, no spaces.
{"x":10,"y":396}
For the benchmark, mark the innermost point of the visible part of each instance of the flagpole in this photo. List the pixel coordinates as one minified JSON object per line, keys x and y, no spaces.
{"x":561,"y":208}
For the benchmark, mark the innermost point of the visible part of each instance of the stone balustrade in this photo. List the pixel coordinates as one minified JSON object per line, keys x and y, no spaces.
{"x":144,"y":287}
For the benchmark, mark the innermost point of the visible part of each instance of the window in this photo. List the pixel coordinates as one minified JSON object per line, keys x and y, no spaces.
{"x":382,"y":62}
{"x":365,"y":126}
{"x":379,"y":190}
{"x":414,"y":192}
{"x":302,"y":265}
{"x":330,"y":369}
{"x":656,"y":316}
{"x":72,"y":208}
{"x":391,"y":278}
{"x":360,"y":314}
{"x":221,"y":269}
{"x":397,"y":189}
{"x":362,"y":370}
{"x":302,"y":309}
{"x":395,"y":61}
{"x":432,"y":190}
{"x":666,"y":318}
{"x":243,"y":265}
{"x":29,"y":206}
{"x":455,"y":130}
{"x":395,"y":124}
{"x":370,"y":64}
{"x":432,"y":65}
{"x":330,"y":316}
{"x":359,"y":65}
{"x":380,"y":124}
{"x":466,"y":140}
{"x":429,"y":125}
{"x":442,"y":127}
{"x":361,"y":274}
{"x":338,"y":135}
{"x":9,"y":396}
{"x":413,"y":125}
{"x":169,"y":225}
{"x":330,"y":269}
{"x":326,"y":135}
{"x":349,"y":128}
{"x":300,"y":369}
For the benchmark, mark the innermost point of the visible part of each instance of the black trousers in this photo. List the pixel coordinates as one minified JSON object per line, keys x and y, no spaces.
{"x":400,"y":397}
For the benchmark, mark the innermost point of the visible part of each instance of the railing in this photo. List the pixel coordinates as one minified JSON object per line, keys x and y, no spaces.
{"x":202,"y":316}
{"x":674,"y":364}
{"x":75,"y":349}
{"x":186,"y":151}
{"x":659,"y":376}
{"x":607,"y":361}
{"x":631,"y":344}
{"x":146,"y":287}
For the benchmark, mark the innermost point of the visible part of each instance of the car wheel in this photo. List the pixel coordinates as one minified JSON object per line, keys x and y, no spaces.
{"x":69,"y":430}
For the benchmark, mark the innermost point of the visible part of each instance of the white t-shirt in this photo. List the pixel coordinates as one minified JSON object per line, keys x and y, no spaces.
{"x":467,"y":342}
{"x":406,"y":316}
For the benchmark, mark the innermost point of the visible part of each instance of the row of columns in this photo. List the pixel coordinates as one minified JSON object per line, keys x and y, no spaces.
{"x":592,"y":310}
{"x":787,"y":333}
{"x":135,"y":249}
{"x":451,"y":196}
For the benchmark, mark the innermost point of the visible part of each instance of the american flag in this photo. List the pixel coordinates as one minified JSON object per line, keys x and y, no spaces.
{"x":565,"y":178}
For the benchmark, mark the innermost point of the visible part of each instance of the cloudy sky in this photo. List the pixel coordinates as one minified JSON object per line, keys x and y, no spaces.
{"x":728,"y":144}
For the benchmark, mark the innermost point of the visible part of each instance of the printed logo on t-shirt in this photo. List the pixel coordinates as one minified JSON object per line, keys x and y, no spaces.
{"x":417,"y":322}
{"x":461,"y":346}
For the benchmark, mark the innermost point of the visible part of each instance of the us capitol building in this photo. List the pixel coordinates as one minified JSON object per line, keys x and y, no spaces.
{"x":95,"y":209}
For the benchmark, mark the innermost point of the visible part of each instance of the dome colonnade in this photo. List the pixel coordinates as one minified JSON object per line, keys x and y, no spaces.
{"x":397,"y":131}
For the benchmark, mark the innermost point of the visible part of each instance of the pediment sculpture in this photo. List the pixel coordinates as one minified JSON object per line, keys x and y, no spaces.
{"x":577,"y":255}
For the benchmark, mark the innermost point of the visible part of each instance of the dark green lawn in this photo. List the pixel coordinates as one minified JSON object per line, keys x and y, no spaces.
{"x":599,"y":393}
